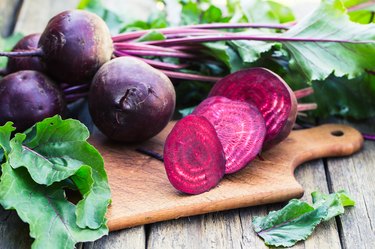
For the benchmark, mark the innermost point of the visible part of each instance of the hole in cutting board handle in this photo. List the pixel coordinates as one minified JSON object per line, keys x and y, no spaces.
{"x":337,"y":133}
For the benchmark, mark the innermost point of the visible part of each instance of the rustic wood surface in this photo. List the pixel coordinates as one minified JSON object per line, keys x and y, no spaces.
{"x":228,"y":229}
{"x":142,"y":181}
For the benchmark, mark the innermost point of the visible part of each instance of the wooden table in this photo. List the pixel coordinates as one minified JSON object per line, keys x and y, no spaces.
{"x":230,"y":229}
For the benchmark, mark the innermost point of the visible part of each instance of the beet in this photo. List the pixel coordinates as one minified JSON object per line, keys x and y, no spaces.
{"x":193,"y":155}
{"x":75,"y":45}
{"x":240,"y":127}
{"x":131,"y":101}
{"x":29,"y":42}
{"x":269,"y":93}
{"x":27,"y":97}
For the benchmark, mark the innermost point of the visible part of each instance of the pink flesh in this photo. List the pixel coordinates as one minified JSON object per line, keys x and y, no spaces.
{"x":269,"y":93}
{"x":240,"y":127}
{"x":193,"y":155}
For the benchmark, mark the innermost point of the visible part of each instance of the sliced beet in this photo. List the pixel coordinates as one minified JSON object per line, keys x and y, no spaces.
{"x":193,"y":155}
{"x":269,"y":92}
{"x":240,"y":127}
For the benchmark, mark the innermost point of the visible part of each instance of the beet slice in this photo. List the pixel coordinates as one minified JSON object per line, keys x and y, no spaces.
{"x":269,"y":92}
{"x":240,"y":127}
{"x":193,"y":155}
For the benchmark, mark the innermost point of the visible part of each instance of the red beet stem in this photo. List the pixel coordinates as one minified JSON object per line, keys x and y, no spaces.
{"x":223,"y":37}
{"x":24,"y":53}
{"x":306,"y":107}
{"x":72,"y":89}
{"x":163,"y":65}
{"x":188,"y":76}
{"x":206,"y":27}
{"x":301,"y":93}
{"x":361,"y":6}
{"x":137,"y":34}
{"x":239,"y":26}
{"x":141,"y":46}
{"x":160,"y":53}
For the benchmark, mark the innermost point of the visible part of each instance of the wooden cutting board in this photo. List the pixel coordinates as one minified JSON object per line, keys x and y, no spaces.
{"x":141,"y":192}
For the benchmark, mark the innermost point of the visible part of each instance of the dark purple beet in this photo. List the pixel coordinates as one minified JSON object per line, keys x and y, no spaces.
{"x":29,"y":42}
{"x":75,"y":45}
{"x":27,"y":97}
{"x":269,"y":92}
{"x":193,"y":155}
{"x":240,"y":127}
{"x":131,"y":101}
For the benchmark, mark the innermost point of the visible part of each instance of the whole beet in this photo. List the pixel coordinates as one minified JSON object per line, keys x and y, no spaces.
{"x":75,"y":44}
{"x":131,"y":101}
{"x":27,"y":97}
{"x":29,"y":42}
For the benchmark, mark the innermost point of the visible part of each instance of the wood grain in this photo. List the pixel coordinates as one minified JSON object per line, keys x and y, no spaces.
{"x":141,"y":180}
{"x":357,"y":226}
{"x":233,"y":229}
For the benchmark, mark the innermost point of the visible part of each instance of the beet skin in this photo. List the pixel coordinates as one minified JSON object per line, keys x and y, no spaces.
{"x":130,"y":101}
{"x":15,"y":64}
{"x":27,"y":97}
{"x":75,"y":45}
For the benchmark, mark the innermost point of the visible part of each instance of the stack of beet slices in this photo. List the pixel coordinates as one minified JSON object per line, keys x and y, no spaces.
{"x":245,"y":112}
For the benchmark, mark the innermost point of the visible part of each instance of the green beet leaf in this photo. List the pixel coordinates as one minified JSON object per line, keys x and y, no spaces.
{"x":351,"y":54}
{"x":56,"y":149}
{"x":295,"y":222}
{"x":335,"y":202}
{"x":298,"y":219}
{"x":5,"y":133}
{"x":50,"y":216}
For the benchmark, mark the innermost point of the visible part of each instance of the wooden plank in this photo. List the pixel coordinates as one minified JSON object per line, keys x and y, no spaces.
{"x":356,"y":175}
{"x":266,"y":181}
{"x":233,"y":229}
{"x":8,"y":15}
{"x":134,"y":238}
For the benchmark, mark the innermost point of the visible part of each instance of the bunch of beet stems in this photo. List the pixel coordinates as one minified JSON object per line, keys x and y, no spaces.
{"x":186,"y":44}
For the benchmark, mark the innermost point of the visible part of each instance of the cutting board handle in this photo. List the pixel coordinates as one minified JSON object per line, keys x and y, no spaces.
{"x":329,"y":140}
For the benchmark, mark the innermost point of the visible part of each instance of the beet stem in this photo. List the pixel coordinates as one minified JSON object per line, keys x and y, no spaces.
{"x":75,"y":96}
{"x":368,"y":136}
{"x":361,"y":6}
{"x":301,"y":93}
{"x":137,"y":34}
{"x":160,"y":53}
{"x":160,"y":64}
{"x":72,"y":89}
{"x":140,"y":46}
{"x":24,"y":53}
{"x":199,"y":27}
{"x":238,"y":26}
{"x":188,"y":76}
{"x":307,"y":107}
{"x":150,"y":153}
{"x":215,"y":38}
